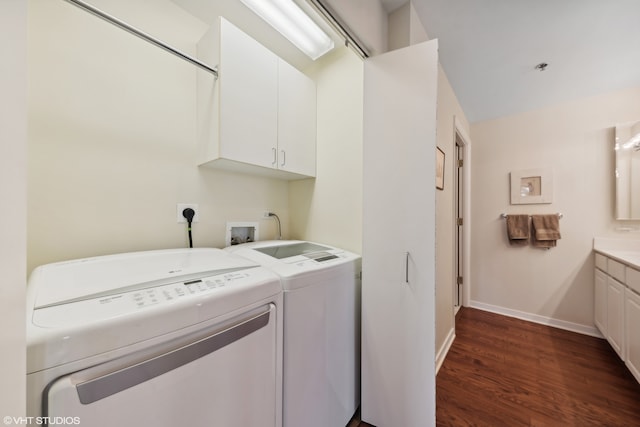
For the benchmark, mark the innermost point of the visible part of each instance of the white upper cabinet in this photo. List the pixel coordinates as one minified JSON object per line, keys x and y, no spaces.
{"x":296,"y":121}
{"x":248,"y":98}
{"x":259,"y":116}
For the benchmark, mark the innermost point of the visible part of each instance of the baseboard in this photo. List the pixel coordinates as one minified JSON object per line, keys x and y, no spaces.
{"x":446,"y":346}
{"x":548,"y":321}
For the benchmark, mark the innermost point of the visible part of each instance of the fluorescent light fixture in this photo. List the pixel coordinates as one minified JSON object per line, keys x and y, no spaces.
{"x":287,"y":17}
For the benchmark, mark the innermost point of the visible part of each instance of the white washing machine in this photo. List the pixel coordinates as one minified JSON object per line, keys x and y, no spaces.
{"x":163,"y":338}
{"x":321,"y":365}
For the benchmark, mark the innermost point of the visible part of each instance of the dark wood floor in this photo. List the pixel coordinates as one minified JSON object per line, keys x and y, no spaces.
{"x":502,"y":371}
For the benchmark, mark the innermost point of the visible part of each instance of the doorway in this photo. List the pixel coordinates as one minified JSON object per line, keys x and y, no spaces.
{"x":459,"y":209}
{"x":461,"y":288}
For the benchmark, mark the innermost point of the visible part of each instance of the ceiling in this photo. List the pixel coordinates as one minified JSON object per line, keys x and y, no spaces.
{"x":489,"y":50}
{"x":207,"y":11}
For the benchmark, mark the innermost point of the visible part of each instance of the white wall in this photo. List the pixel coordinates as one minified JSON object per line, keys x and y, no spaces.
{"x":576,"y":140}
{"x":13,"y":191}
{"x":399,"y":27}
{"x":405,"y":27}
{"x":112,"y":143}
{"x":328,"y":209}
{"x":367,"y":19}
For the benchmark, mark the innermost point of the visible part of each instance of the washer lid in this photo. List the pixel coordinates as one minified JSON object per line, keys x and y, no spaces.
{"x":76,"y":280}
{"x":288,"y":250}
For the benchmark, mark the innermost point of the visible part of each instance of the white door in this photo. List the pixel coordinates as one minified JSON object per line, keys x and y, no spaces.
{"x":398,"y":261}
{"x":459,"y":221}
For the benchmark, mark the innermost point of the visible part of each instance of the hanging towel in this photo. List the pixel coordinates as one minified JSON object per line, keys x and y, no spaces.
{"x":518,"y":229}
{"x":546,"y":230}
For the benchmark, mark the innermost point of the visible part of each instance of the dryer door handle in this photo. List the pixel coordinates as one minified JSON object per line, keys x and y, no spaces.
{"x":94,"y":389}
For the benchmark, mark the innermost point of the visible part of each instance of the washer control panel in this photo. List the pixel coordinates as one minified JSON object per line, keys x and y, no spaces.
{"x":318,"y":260}
{"x":146,"y":297}
{"x":117,"y":304}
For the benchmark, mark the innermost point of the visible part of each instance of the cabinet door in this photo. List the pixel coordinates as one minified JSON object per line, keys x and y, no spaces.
{"x":600,"y":302}
{"x":615,"y":315}
{"x":632,"y":321}
{"x":296,"y":121}
{"x":398,"y":260}
{"x":248,"y":98}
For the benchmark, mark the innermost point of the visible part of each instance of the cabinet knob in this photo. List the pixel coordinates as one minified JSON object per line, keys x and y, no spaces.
{"x":284,"y":157}
{"x":275,"y":156}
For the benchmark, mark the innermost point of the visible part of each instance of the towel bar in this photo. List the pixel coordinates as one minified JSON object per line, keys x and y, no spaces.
{"x":504,"y":215}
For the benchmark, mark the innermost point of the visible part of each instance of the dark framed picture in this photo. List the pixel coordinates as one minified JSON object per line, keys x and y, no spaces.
{"x":439,"y":169}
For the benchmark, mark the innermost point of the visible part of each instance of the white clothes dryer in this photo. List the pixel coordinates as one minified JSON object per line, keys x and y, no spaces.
{"x":163,"y":338}
{"x":321,"y":365}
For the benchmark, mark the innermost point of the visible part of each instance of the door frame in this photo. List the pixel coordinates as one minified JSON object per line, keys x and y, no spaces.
{"x":465,"y":141}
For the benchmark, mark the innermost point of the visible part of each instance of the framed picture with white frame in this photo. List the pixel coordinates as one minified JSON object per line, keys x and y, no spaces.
{"x":532,"y":186}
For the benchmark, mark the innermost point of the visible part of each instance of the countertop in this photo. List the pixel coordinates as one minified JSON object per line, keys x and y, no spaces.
{"x":626,"y":251}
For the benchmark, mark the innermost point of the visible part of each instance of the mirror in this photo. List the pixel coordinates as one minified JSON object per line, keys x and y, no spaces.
{"x":627,"y":154}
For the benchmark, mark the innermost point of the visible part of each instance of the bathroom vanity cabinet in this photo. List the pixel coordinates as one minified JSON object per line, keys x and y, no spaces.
{"x":632,"y":317}
{"x":617,"y":304}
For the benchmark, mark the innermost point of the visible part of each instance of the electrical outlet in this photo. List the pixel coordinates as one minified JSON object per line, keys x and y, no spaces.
{"x":181,"y":207}
{"x":265,"y":214}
